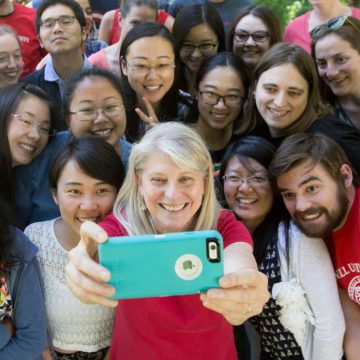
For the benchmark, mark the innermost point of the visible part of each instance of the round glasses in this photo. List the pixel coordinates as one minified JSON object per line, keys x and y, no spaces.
{"x":91,"y":114}
{"x":211,"y":98}
{"x":258,"y":36}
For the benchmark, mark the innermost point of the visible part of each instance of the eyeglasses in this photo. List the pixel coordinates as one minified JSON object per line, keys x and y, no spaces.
{"x":91,"y":114}
{"x":333,"y":24}
{"x":254,"y":180}
{"x":28,"y":124}
{"x":211,"y":98}
{"x":257,"y":36}
{"x":64,"y":21}
{"x":143,"y":69}
{"x":203,"y":48}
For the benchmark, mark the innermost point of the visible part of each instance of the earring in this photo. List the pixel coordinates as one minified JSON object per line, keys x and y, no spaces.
{"x":142,"y":206}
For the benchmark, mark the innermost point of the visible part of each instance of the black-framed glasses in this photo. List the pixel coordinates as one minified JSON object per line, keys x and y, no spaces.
{"x":258,"y":36}
{"x":64,"y":21}
{"x":254,"y":180}
{"x":211,"y":98}
{"x":92,"y":113}
{"x":29,"y":124}
{"x":333,"y":24}
{"x":207,"y":48}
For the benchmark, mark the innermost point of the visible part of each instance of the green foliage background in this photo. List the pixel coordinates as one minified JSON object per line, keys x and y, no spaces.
{"x":289,"y":9}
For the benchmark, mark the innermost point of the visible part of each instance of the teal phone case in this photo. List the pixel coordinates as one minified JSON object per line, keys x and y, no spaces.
{"x":163,"y":265}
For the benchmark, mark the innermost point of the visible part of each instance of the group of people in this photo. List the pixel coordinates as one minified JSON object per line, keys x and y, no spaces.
{"x":207,"y":117}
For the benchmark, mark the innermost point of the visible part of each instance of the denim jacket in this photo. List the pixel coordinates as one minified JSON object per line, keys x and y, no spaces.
{"x":28,"y":315}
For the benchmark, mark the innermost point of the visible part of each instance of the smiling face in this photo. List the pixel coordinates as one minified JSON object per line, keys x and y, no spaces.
{"x":281,"y":96}
{"x":250,"y":51}
{"x":93,"y":93}
{"x":60,"y":39}
{"x":25,"y":140}
{"x":223,"y":81}
{"x":11,"y":63}
{"x":171,"y":194}
{"x":338,"y":65}
{"x":157,"y":53}
{"x":81,"y":197}
{"x":250,"y":202}
{"x":316,"y":202}
{"x":201,"y":34}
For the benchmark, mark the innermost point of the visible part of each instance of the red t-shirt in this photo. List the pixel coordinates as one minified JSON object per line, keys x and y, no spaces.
{"x":22,"y":20}
{"x":116,"y":29}
{"x":344,"y":248}
{"x":174,"y":327}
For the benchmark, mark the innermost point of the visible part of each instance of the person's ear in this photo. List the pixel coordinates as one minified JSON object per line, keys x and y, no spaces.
{"x":55,"y":197}
{"x":123,"y":65}
{"x":347,"y":175}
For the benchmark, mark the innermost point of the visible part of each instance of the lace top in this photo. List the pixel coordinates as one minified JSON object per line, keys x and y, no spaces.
{"x":73,"y":325}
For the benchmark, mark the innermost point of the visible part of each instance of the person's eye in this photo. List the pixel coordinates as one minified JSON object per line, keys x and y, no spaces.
{"x":158,"y":180}
{"x":210,"y":94}
{"x":341,"y":60}
{"x":66,"y":20}
{"x":288,"y":196}
{"x":110,"y":108}
{"x":134,"y":23}
{"x":270,"y":89}
{"x":294,"y":93}
{"x":232,"y":97}
{"x":45,"y":130}
{"x":140,"y":67}
{"x":259,"y":179}
{"x":233,"y":178}
{"x":103,"y":191}
{"x":86,"y":111}
{"x":242,"y":36}
{"x":188,"y":46}
{"x":163,"y":66}
{"x":206,"y":46}
{"x":186,"y":180}
{"x":74,"y":192}
{"x":259,"y":36}
{"x":3,"y":58}
{"x":312,"y":188}
{"x":321,"y":64}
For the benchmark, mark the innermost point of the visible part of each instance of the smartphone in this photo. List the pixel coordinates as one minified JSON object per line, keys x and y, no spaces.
{"x":163,"y":264}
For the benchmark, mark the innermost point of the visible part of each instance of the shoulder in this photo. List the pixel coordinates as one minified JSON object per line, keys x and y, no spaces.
{"x":36,"y":77}
{"x":24,"y":10}
{"x":23,"y":248}
{"x":231,"y":229}
{"x":112,"y":226}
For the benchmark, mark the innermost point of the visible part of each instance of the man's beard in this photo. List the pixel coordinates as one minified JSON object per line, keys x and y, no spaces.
{"x":330,"y":221}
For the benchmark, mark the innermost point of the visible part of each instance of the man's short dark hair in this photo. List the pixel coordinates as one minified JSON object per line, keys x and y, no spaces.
{"x":73,"y":5}
{"x":318,"y":148}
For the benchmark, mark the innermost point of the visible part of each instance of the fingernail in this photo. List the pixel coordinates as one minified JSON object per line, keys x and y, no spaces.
{"x":104,"y":275}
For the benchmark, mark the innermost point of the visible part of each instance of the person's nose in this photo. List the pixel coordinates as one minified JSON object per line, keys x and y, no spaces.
{"x":11,"y":62}
{"x":172,"y":191}
{"x":196,"y":52}
{"x":100,"y":116}
{"x":244,"y":186}
{"x":220,"y":104}
{"x":302,"y":203}
{"x":88,"y":203}
{"x":280,"y":99}
{"x":34,"y":132}
{"x":331,"y":70}
{"x":250,"y":41}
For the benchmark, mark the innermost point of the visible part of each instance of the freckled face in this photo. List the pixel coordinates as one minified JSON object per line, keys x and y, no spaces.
{"x":281,"y":96}
{"x":172,"y":195}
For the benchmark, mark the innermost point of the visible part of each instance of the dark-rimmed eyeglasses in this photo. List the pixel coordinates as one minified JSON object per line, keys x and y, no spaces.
{"x":211,"y":98}
{"x":64,"y":21}
{"x":333,"y":24}
{"x":29,"y":124}
{"x":92,"y":113}
{"x":203,"y":48}
{"x":258,"y":36}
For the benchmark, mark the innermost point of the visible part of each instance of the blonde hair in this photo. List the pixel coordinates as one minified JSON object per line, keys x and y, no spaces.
{"x":187,"y":150}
